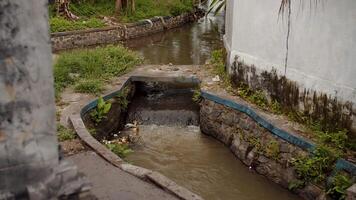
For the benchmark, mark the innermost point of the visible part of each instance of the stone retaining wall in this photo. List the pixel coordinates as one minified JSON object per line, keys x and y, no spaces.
{"x":107,"y":35}
{"x":266,"y":153}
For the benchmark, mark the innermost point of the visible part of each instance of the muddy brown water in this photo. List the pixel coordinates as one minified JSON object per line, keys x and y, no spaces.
{"x":187,"y":45}
{"x":171,"y":143}
{"x":202,"y":165}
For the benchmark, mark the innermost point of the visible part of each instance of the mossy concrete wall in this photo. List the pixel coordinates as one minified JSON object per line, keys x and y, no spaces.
{"x":308,"y":51}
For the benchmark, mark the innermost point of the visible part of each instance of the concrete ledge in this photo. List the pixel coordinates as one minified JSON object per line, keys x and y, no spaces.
{"x":107,"y":35}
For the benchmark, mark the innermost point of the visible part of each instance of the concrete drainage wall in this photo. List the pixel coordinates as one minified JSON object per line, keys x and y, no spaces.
{"x":250,"y":138}
{"x":248,"y":135}
{"x":108,"y":35}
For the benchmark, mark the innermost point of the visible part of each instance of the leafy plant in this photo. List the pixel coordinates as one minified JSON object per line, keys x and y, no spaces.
{"x":122,"y":150}
{"x":64,"y":133}
{"x":197,"y":98}
{"x":101,"y":110}
{"x":315,"y":167}
{"x":338,"y":186}
{"x":121,"y":98}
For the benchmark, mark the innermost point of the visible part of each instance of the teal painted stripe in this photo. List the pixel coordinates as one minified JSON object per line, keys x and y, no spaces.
{"x":341,"y":164}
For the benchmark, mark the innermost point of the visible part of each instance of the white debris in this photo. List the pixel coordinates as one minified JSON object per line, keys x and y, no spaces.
{"x":216,"y":78}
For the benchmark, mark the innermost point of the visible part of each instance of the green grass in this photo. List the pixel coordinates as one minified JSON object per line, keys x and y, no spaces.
{"x":64,"y":133}
{"x":90,"y":86}
{"x":91,"y":12}
{"x":89,"y":69}
{"x":59,"y":24}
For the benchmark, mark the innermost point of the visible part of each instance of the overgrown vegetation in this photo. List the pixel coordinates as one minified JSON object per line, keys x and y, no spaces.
{"x":64,"y":133}
{"x":339,"y":185}
{"x":89,"y":69}
{"x":91,"y":13}
{"x":122,"y":150}
{"x":102,"y":108}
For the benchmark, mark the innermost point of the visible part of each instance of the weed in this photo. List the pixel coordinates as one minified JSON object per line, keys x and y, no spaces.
{"x":296,"y":184}
{"x":276,"y":107}
{"x":272,"y":150}
{"x":64,"y":133}
{"x":122,"y":150}
{"x":338,"y":186}
{"x":197,"y":98}
{"x":337,"y":140}
{"x":315,"y":167}
{"x":99,"y":64}
{"x":99,"y":113}
{"x":90,"y":86}
{"x":121,"y":98}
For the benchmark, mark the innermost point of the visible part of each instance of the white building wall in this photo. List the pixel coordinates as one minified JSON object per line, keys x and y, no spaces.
{"x":322,"y":42}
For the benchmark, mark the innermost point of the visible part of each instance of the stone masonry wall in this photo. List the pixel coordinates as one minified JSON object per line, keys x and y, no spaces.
{"x":267,"y":154}
{"x":107,"y":35}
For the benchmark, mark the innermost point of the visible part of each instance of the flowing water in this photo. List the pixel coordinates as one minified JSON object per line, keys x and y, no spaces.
{"x":190,"y":44}
{"x":202,"y":165}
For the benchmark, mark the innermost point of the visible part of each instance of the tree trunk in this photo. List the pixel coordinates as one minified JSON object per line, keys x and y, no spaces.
{"x":118,"y":6}
{"x":63,"y":10}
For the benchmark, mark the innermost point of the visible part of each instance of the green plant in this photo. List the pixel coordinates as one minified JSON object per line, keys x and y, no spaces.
{"x":338,"y":186}
{"x":102,"y":108}
{"x":258,"y":98}
{"x":89,"y":86}
{"x":272,"y":150}
{"x":337,"y":139}
{"x":122,"y":150}
{"x":92,"y":132}
{"x":315,"y":167}
{"x":296,"y":184}
{"x":276,"y":107}
{"x":59,"y":24}
{"x":121,"y":98}
{"x":197,"y":98}
{"x":64,"y":133}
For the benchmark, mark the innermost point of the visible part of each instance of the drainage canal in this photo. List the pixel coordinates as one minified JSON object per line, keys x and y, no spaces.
{"x":187,"y":45}
{"x":170,"y":142}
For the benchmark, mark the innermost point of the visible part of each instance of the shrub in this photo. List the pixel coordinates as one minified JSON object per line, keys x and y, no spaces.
{"x":315,"y":167}
{"x":339,"y":184}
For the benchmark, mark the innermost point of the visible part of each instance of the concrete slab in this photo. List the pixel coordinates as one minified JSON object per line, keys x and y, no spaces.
{"x":111,"y":183}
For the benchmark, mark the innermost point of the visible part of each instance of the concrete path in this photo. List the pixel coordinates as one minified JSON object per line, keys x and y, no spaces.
{"x":111,"y":183}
